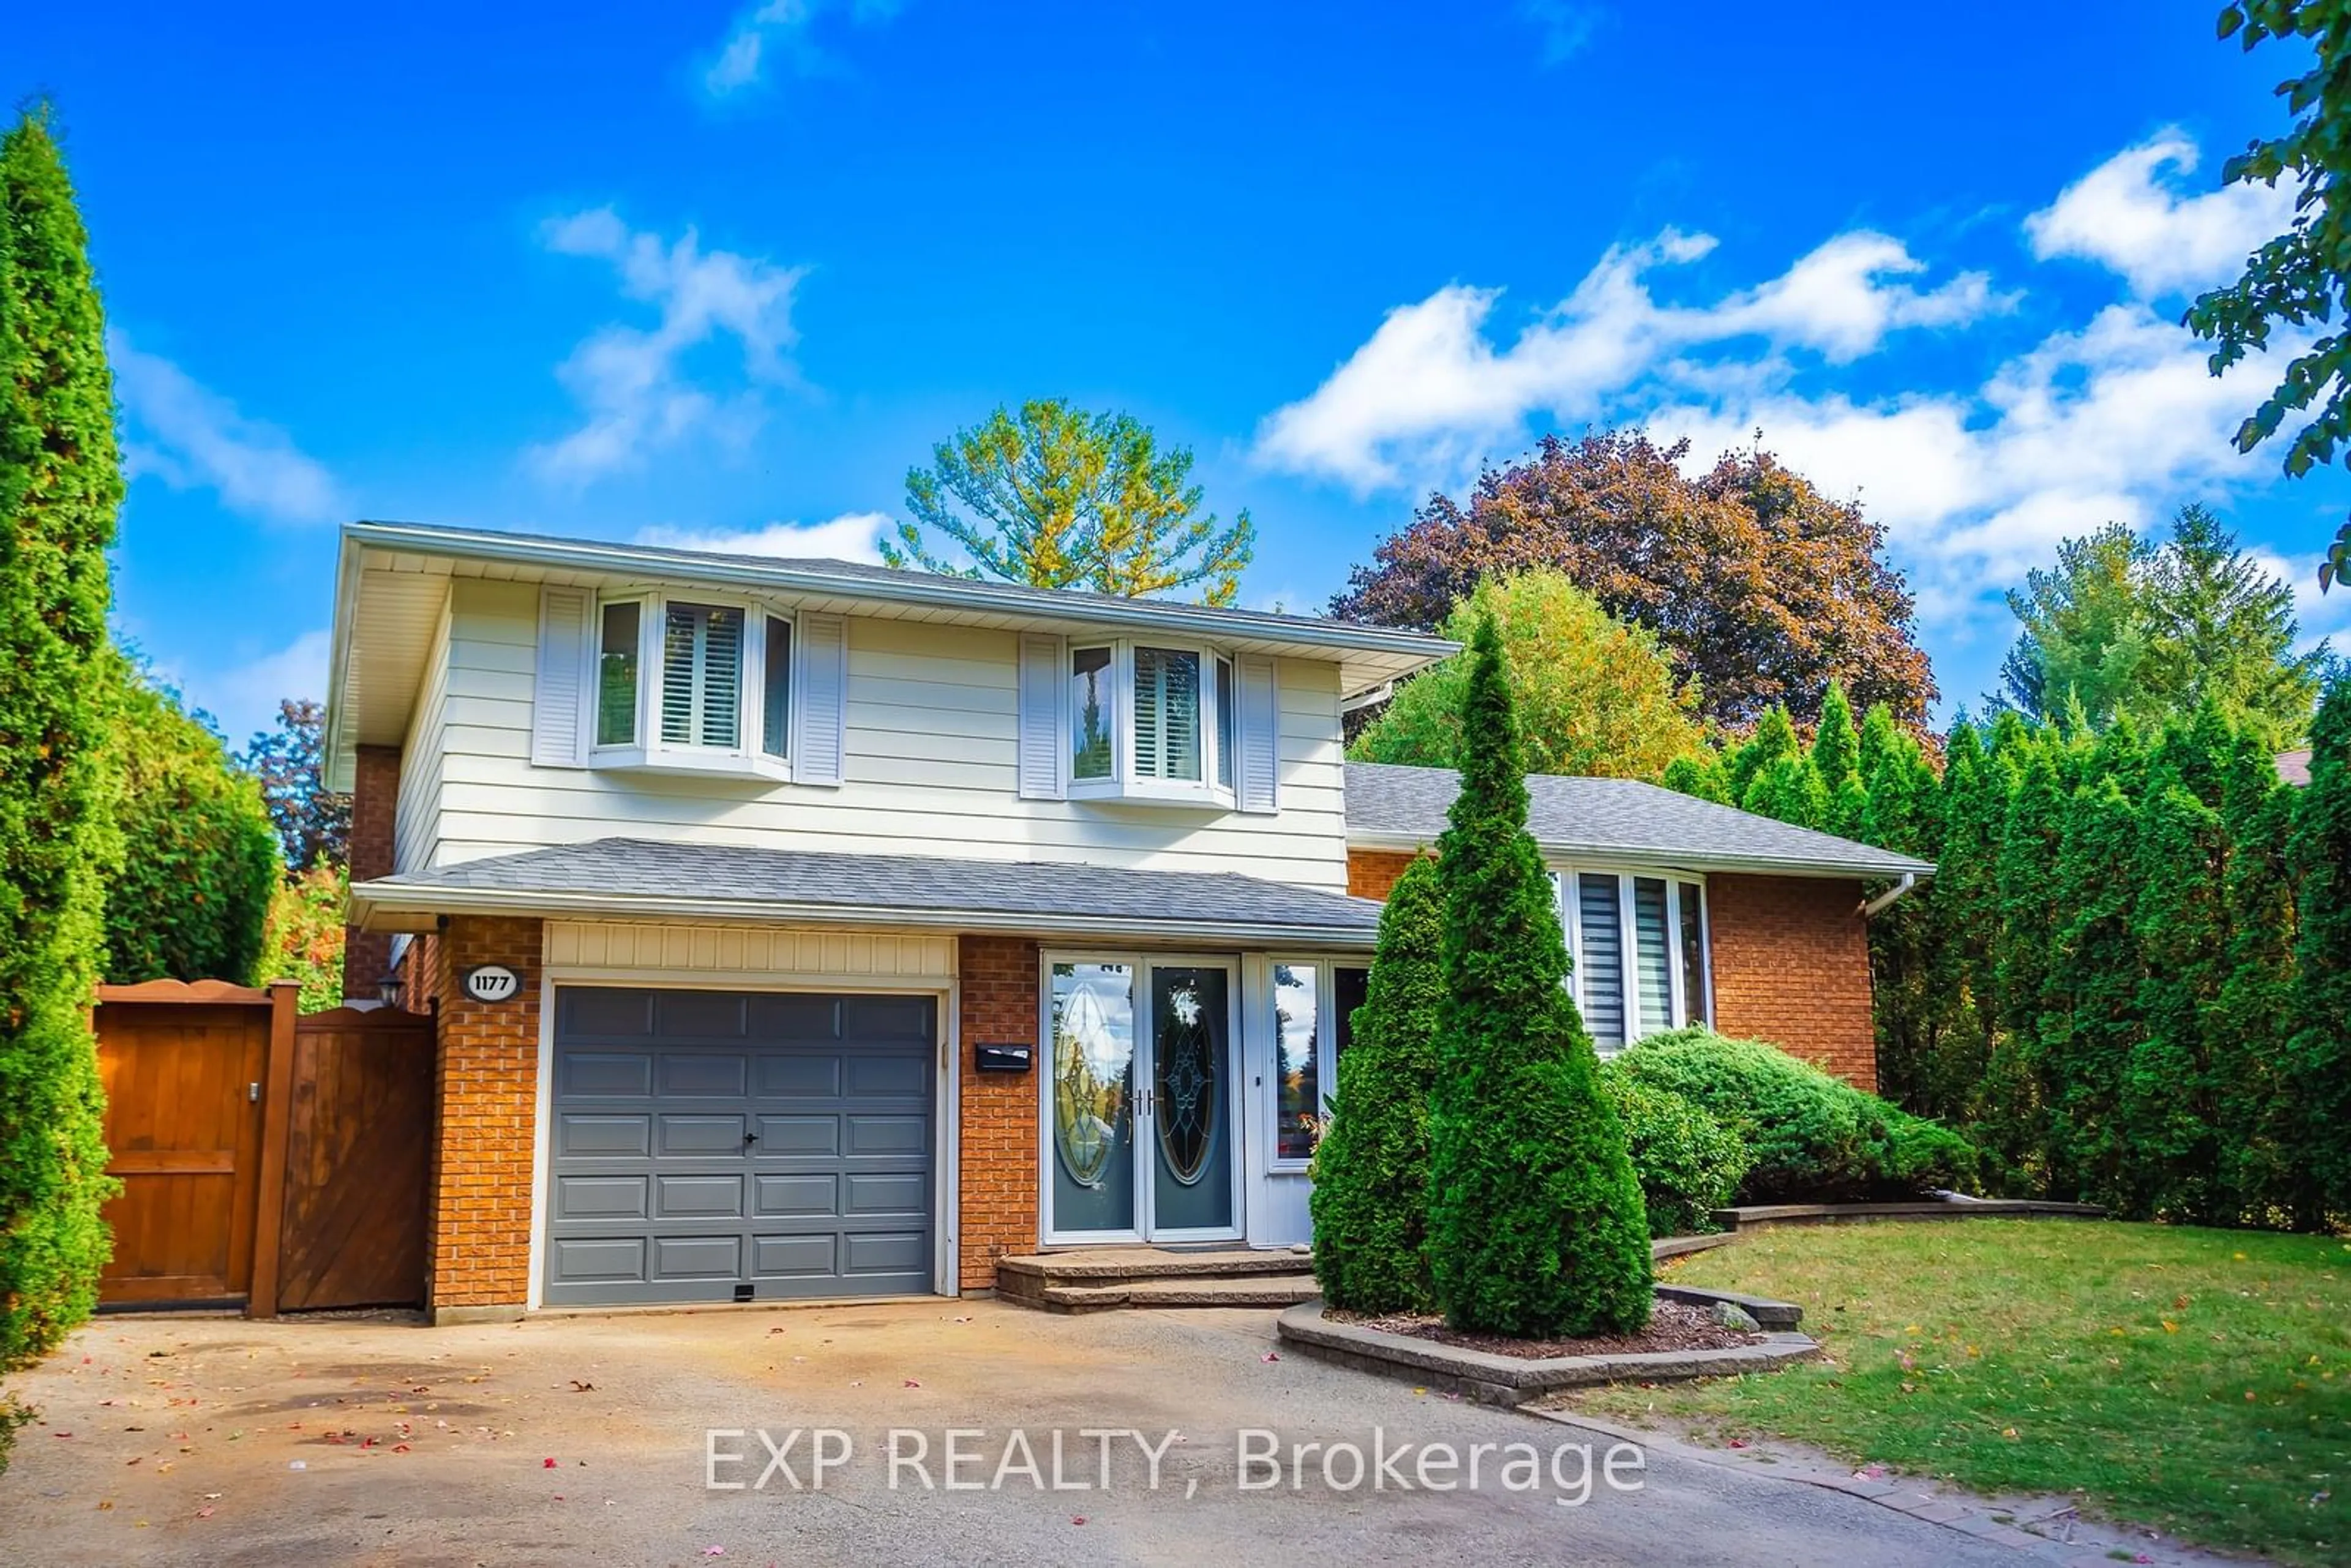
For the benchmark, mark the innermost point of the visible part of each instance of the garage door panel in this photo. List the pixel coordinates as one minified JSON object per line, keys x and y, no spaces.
{"x":869,"y":1135}
{"x":797,"y":1257}
{"x":610,"y":1136}
{"x":612,"y":1260}
{"x":624,"y":1073}
{"x":601,"y":1197}
{"x":797,"y":1018}
{"x":888,"y":1077}
{"x":589,"y":1011}
{"x":656,"y":1196}
{"x":698,"y":1198}
{"x":798,"y":1075}
{"x":698,"y":1015}
{"x":690,"y":1135}
{"x":819,"y":1136}
{"x":783,"y":1197}
{"x":899,"y":1195}
{"x":695,"y":1074}
{"x":870,"y":1253}
{"x":697,"y":1257}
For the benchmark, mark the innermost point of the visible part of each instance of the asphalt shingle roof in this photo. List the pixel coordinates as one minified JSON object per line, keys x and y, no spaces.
{"x":1613,"y":818}
{"x":632,"y":870}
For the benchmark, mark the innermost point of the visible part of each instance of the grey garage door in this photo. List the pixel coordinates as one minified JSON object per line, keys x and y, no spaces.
{"x":728,"y":1145}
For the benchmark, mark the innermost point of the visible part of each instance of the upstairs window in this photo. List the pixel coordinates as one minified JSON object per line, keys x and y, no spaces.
{"x":702,"y":676}
{"x":1167,"y":742}
{"x":690,"y":684}
{"x":1150,"y":722}
{"x":617,"y":658}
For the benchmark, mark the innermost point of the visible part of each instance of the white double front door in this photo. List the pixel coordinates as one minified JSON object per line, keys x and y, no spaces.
{"x":1142,"y":1099}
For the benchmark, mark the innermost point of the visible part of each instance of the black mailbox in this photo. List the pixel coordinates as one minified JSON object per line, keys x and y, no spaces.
{"x":1003,"y":1058}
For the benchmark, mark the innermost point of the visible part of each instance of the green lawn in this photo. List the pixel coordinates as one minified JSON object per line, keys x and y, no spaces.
{"x":2198,"y":1381}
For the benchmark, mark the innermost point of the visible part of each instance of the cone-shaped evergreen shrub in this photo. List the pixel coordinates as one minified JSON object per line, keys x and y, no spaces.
{"x":1370,"y":1199}
{"x":2319,"y":1074}
{"x":59,"y":488}
{"x":1535,"y":1225}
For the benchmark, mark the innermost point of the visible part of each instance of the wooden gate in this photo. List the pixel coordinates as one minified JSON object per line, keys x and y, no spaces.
{"x":184,"y":1068}
{"x":265,"y":1160}
{"x":358,"y":1124}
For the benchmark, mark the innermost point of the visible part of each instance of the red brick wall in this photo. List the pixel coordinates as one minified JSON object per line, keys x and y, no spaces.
{"x":477,"y":1226}
{"x":1791,"y":965}
{"x":1370,"y":873}
{"x":376,"y":796}
{"x":996,"y":979}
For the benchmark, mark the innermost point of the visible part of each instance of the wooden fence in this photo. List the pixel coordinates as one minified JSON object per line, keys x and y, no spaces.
{"x":268,"y":1160}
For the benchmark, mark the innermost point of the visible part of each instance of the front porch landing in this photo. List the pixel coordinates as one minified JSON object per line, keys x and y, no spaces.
{"x":1098,"y":1279}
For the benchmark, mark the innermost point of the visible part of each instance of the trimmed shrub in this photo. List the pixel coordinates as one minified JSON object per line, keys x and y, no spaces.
{"x":1814,"y":1138}
{"x":59,"y":489}
{"x":1535,"y":1224}
{"x":1370,"y":1199}
{"x":1688,"y":1163}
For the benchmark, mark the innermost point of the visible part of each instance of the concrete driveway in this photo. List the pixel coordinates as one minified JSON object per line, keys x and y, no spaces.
{"x":587,"y":1439}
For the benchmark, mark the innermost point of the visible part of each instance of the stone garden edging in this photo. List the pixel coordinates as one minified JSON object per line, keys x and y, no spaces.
{"x":1514,"y":1380}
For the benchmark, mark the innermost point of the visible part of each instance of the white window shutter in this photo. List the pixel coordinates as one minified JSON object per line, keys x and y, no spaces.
{"x":1257,"y":782}
{"x":820,"y":699}
{"x":559,"y":721}
{"x":1043,"y":683}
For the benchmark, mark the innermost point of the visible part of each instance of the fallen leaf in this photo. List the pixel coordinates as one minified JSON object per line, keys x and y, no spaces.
{"x":1077,"y":1519}
{"x":1269,"y":1356}
{"x":205,"y":1511}
{"x":579,"y":1388}
{"x":912,"y":1384}
{"x":546,"y":1464}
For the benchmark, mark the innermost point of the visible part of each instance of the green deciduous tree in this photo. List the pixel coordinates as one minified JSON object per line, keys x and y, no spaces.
{"x":1370,"y":1197}
{"x":1758,"y":587}
{"x":190,"y":900}
{"x":305,"y":937}
{"x":1595,"y":697}
{"x":1536,"y":1226}
{"x":59,"y":490}
{"x":2298,"y":280}
{"x":1055,"y":497}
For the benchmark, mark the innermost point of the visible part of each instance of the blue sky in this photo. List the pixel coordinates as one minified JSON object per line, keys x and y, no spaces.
{"x":719,"y":274}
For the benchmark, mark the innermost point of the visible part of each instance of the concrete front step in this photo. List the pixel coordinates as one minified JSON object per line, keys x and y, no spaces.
{"x":1091,"y":1278}
{"x":1254,"y":1291}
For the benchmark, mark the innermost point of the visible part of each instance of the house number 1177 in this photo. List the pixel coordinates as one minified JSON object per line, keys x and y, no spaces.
{"x":491,"y":983}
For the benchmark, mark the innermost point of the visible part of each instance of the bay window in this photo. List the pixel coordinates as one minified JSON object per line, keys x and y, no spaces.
{"x":1149,"y":721}
{"x":1638,"y":941}
{"x":691,"y":685}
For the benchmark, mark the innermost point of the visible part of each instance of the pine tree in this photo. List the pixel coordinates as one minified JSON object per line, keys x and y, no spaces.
{"x":59,"y":489}
{"x":1536,"y":1225}
{"x":2318,"y":1055}
{"x":1370,"y":1197}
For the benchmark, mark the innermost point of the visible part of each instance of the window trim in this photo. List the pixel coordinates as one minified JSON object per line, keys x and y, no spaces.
{"x":1637,"y":1025}
{"x":1124,"y":782}
{"x":651,"y":754}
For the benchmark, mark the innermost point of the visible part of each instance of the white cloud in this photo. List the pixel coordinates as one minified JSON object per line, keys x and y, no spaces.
{"x":1431,"y":391}
{"x":628,"y":381}
{"x":243,"y":698}
{"x":781,"y":31}
{"x":189,"y":436}
{"x":1566,"y":26}
{"x":2126,"y":214}
{"x":849,"y":537}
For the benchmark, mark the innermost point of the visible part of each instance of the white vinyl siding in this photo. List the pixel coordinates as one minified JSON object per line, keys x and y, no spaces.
{"x":927,"y":750}
{"x":417,"y":815}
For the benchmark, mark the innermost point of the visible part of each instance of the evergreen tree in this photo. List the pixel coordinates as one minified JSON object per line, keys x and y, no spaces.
{"x":1774,"y":738}
{"x":2318,"y":1057}
{"x":2170,"y":1111}
{"x":1836,"y":744}
{"x":2263,"y":1165}
{"x":1961,"y":907}
{"x":2090,"y":1020}
{"x":2007,"y":1122}
{"x":1536,"y":1225}
{"x":1370,"y":1197}
{"x":1702,"y":777}
{"x":1787,"y":790}
{"x":60,"y":488}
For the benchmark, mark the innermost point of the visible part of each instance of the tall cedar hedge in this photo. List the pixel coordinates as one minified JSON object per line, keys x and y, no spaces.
{"x":193,"y":902}
{"x":1536,"y":1226}
{"x":59,"y":489}
{"x":1370,"y":1197}
{"x":2130,"y":979}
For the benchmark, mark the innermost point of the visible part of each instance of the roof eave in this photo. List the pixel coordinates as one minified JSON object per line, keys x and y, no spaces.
{"x":340,"y":759}
{"x":391,"y":904}
{"x":1663,"y":860}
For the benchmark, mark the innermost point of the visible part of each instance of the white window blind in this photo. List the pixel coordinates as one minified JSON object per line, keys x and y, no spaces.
{"x":1600,"y":937}
{"x":702,"y":676}
{"x":1167,"y":715}
{"x":1652,"y":954}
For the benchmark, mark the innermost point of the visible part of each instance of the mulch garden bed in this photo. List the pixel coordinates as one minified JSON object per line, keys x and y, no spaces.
{"x":1673,"y":1325}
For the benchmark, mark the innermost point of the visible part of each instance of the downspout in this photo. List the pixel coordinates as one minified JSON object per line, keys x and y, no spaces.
{"x":1891,"y":896}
